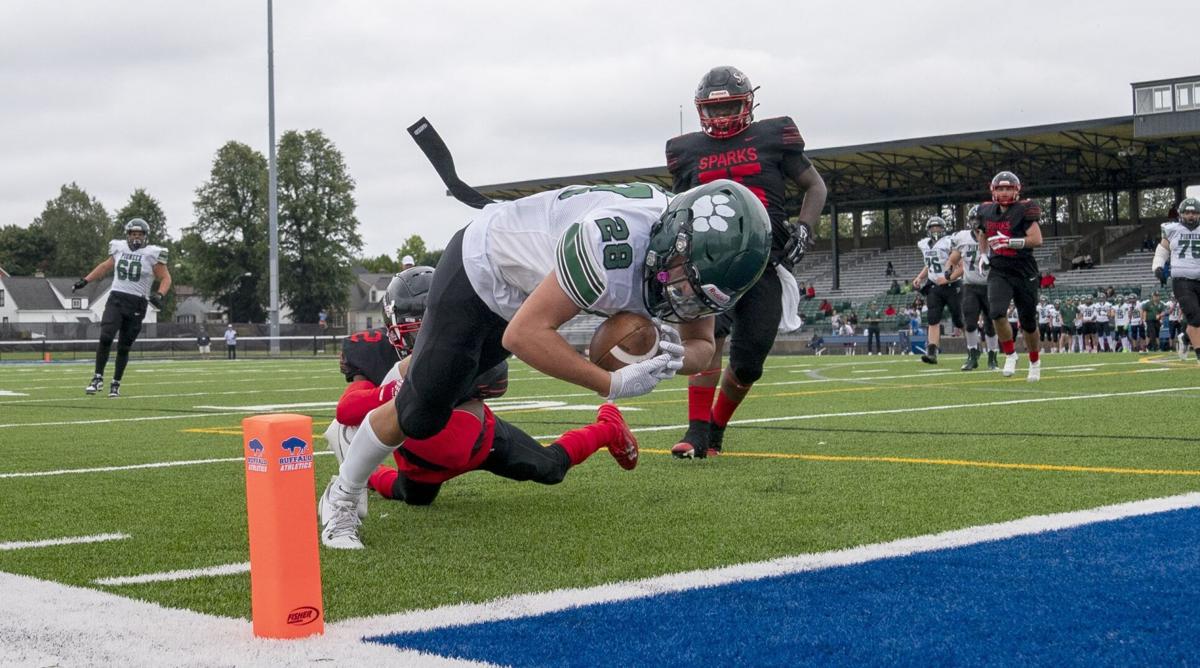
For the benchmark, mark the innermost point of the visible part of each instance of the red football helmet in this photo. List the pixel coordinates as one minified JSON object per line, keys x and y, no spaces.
{"x":1006,"y":188}
{"x":725,"y":102}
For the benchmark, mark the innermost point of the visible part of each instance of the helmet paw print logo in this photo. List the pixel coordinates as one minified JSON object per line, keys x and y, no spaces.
{"x":709,"y":213}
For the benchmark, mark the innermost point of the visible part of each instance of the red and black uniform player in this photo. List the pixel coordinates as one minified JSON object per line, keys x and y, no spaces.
{"x":1008,"y":227}
{"x":764,"y":156}
{"x":476,"y":440}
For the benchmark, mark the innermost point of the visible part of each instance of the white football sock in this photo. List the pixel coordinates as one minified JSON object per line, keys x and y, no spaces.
{"x":993,"y":343}
{"x":973,"y":339}
{"x":366,"y":453}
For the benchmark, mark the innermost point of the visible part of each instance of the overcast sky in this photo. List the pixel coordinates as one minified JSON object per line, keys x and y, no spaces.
{"x":126,"y":94}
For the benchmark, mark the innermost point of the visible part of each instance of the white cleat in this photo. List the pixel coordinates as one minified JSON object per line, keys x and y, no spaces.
{"x":1035,"y":372}
{"x":339,"y":521}
{"x":1010,"y":365}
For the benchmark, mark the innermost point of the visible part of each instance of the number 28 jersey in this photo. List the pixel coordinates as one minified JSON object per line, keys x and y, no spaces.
{"x":594,"y":237}
{"x":133,"y":270}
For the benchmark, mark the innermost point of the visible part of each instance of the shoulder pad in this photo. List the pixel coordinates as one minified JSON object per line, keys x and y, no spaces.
{"x":1033,"y":212}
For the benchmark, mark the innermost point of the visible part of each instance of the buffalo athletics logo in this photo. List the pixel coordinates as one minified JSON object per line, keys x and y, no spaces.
{"x":296,"y":459}
{"x":709,"y":213}
{"x":255,"y":460}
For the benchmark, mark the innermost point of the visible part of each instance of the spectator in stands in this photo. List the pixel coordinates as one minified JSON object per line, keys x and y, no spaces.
{"x":1077,"y":262}
{"x":1047,"y":279}
{"x":890,"y":311}
{"x":810,"y":292}
{"x":1087,"y":261}
{"x":1148,"y":243}
{"x":895,"y":287}
{"x":825,"y":307}
{"x":817,"y":344}
{"x":1110,"y":292}
{"x":906,"y":287}
{"x":835,"y":323}
{"x":890,"y":270}
{"x":848,"y":332}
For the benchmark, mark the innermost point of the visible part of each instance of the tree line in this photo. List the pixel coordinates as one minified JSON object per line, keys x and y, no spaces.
{"x":224,"y":253}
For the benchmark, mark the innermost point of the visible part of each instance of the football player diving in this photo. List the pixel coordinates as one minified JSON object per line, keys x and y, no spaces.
{"x":373,"y":363}
{"x":521,"y":269}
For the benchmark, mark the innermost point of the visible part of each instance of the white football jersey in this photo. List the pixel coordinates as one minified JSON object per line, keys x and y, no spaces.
{"x":1123,"y":311}
{"x":1135,"y":313}
{"x":1043,"y":313}
{"x":1102,"y":311}
{"x":133,"y":270}
{"x":1056,"y":319}
{"x":968,"y":247}
{"x":936,"y":255}
{"x":596,"y":238}
{"x":1185,"y":249}
{"x":1087,"y":312}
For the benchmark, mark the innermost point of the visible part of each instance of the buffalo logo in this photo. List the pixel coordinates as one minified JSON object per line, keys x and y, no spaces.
{"x":303,"y":615}
{"x":256,"y":446}
{"x":294,"y":445}
{"x":709,"y":213}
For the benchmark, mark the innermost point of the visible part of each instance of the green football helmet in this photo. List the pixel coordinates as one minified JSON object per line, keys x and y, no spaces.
{"x":1189,"y":212}
{"x":936,"y":227}
{"x":137,"y":225}
{"x":710,"y":245}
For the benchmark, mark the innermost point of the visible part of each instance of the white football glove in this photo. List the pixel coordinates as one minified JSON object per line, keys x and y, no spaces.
{"x":670,"y":342}
{"x":638,"y":379}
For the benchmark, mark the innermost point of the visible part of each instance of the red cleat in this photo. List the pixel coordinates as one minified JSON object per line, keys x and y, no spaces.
{"x":625,"y":448}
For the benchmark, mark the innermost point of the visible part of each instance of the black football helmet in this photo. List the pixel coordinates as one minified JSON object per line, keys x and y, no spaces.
{"x":132,"y":236}
{"x":1189,"y":213}
{"x":404,"y":306}
{"x":725,"y":102}
{"x":973,"y":216}
{"x":1006,"y":188}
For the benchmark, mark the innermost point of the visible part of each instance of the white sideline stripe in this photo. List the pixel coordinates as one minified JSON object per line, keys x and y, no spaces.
{"x":529,"y":605}
{"x":171,"y":576}
{"x":329,"y":388}
{"x":270,"y":407}
{"x":1077,"y":369}
{"x":922,"y":409}
{"x":72,"y":540}
{"x":131,"y":467}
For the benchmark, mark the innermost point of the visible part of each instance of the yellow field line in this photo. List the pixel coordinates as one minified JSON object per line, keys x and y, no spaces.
{"x":954,"y":462}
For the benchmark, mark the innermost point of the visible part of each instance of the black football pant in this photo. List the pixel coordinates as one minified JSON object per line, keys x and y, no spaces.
{"x":1187,"y":293}
{"x":974,"y":302}
{"x":943,"y":297}
{"x":1020,"y":290}
{"x":753,"y":322}
{"x":459,"y":337}
{"x":515,"y":455}
{"x":122,"y":321}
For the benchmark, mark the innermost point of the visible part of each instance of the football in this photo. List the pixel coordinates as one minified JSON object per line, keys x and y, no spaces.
{"x":624,"y":338}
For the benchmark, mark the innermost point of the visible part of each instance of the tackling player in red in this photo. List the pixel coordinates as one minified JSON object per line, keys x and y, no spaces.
{"x":374,"y":361}
{"x":765,"y":156}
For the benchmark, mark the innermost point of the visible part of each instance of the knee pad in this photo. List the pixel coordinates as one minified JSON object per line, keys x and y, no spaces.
{"x":419,"y":419}
{"x":745,"y":374}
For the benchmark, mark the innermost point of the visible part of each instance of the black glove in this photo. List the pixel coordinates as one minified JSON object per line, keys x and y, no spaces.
{"x":798,"y":242}
{"x":156,"y":300}
{"x":79,"y":284}
{"x":1160,"y":275}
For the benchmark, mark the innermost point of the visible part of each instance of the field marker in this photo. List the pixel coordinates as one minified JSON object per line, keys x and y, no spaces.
{"x":72,"y":540}
{"x":172,"y":576}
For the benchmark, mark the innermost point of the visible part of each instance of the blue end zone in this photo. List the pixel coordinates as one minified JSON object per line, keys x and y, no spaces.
{"x":1124,"y":592}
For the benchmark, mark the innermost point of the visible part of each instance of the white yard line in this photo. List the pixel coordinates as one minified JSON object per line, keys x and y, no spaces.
{"x":156,"y":396}
{"x":153,"y":418}
{"x":71,"y":540}
{"x":171,"y":576}
{"x":47,"y":623}
{"x":786,"y":418}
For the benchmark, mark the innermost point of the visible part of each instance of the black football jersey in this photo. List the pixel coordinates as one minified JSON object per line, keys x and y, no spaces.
{"x":368,"y":354}
{"x":1014,"y":222}
{"x":754,"y":157}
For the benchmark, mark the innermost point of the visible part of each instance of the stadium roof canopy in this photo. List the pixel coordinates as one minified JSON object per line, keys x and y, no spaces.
{"x":1156,"y":147}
